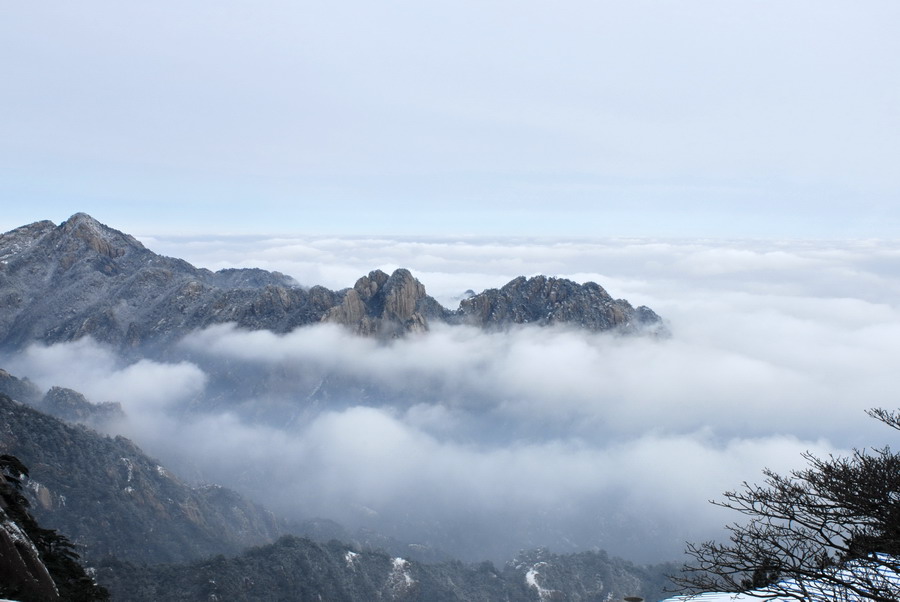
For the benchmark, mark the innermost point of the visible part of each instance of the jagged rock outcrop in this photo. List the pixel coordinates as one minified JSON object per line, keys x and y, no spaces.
{"x":386,"y":305}
{"x":81,"y":278}
{"x":547,"y":301}
{"x":72,"y":406}
{"x":112,"y":500}
{"x":60,"y":402}
{"x":20,"y":389}
{"x":22,"y":573}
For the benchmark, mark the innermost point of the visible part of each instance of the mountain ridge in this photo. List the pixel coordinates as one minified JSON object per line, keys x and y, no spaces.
{"x":83,"y":278}
{"x":113,"y":500}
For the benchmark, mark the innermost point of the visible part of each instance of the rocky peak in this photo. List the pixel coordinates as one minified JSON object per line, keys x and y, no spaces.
{"x":368,"y":286}
{"x":16,"y":241}
{"x":74,"y":407}
{"x":402,"y":294}
{"x":82,"y":229}
{"x":543,"y":300}
{"x":384,"y":305}
{"x":82,"y":278}
{"x":22,"y":390}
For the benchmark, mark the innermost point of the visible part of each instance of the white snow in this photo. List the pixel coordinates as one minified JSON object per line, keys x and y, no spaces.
{"x":818,"y":592}
{"x":531,"y":578}
{"x":350,"y":557}
{"x":129,"y":466}
{"x":399,"y":572}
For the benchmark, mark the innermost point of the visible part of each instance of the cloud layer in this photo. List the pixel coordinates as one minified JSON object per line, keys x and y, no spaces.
{"x":482,"y":443}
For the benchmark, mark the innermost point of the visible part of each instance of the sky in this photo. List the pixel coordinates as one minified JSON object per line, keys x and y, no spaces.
{"x":695,"y":118}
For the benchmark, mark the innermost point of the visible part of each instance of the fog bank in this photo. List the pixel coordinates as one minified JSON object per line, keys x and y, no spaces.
{"x":483,"y":443}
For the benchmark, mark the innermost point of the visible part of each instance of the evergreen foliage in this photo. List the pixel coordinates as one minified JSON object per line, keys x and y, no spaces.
{"x":113,"y":500}
{"x":57,"y":553}
{"x":299,"y":569}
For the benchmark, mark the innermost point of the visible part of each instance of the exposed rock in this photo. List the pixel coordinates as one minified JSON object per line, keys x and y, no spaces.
{"x":74,"y":407}
{"x":384,"y":305}
{"x":81,"y":278}
{"x":546,"y":301}
{"x":36,"y":564}
{"x":65,"y":404}
{"x":22,"y":573}
{"x":20,"y":389}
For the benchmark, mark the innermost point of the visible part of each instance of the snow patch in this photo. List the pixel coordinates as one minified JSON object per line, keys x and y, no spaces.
{"x":862,"y":574}
{"x":531,"y":579}
{"x":400,"y":577}
{"x":129,"y":466}
{"x":350,"y":557}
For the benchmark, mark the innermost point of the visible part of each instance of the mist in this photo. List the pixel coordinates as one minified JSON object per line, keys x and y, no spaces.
{"x":482,"y":443}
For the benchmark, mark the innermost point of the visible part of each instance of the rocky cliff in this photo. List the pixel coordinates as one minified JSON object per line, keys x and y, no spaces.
{"x":379,"y":304}
{"x":547,"y":301}
{"x":36,"y":564}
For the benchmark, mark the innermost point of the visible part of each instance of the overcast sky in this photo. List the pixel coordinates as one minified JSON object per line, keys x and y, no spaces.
{"x":760,"y":119}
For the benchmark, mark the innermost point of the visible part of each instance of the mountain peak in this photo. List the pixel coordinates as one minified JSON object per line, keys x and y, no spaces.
{"x":385,"y":305}
{"x":19,"y":240}
{"x":546,"y":300}
{"x":101,"y":238}
{"x":81,"y":217}
{"x":84,"y":278}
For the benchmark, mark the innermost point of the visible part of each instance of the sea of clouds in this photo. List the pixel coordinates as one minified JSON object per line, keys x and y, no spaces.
{"x":484,"y":443}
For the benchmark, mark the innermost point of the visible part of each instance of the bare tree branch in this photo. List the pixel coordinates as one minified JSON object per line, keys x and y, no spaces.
{"x":831,"y":529}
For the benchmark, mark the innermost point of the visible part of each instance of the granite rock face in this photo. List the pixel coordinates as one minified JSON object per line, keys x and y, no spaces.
{"x":547,"y":301}
{"x":23,"y":572}
{"x":384,"y":305}
{"x":81,"y":278}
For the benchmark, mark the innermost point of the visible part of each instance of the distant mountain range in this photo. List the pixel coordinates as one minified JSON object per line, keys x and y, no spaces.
{"x":82,"y":278}
{"x":127,"y":513}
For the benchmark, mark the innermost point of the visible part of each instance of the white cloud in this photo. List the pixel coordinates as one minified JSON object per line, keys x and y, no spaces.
{"x":96,"y":371}
{"x":531,"y":436}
